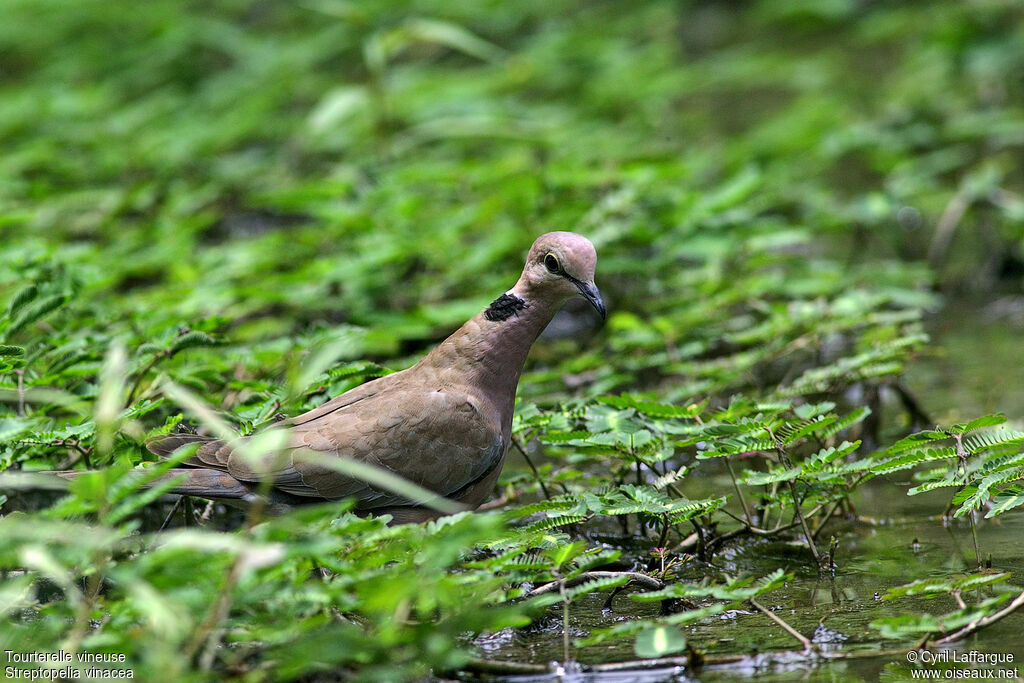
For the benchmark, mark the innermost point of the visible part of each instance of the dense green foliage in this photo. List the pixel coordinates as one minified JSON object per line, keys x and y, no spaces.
{"x":254,"y":206}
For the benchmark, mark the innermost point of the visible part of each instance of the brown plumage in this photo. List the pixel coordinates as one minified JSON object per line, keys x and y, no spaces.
{"x":444,"y":424}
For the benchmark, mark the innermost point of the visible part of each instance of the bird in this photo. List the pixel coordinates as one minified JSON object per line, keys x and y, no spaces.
{"x":444,"y":424}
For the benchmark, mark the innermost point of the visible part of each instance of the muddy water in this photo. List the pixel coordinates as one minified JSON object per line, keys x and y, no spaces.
{"x":971,"y":369}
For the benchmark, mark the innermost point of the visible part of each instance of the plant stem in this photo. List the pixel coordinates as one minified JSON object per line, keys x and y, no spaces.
{"x":961,"y":455}
{"x":565,"y":621}
{"x":702,"y":548}
{"x":142,"y":374}
{"x":974,"y":535}
{"x":828,"y":516}
{"x":533,"y":468}
{"x":739,"y":493}
{"x":21,"y":391}
{"x":784,"y":458}
{"x":803,"y":524}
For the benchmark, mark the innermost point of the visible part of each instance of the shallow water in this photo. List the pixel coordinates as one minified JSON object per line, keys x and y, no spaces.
{"x":971,"y":368}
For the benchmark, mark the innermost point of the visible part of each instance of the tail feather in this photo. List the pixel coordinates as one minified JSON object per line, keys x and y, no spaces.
{"x":168,"y":443}
{"x":205,"y":483}
{"x":202,"y":483}
{"x":199,"y":478}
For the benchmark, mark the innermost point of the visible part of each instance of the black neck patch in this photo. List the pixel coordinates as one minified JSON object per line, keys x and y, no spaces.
{"x":504,"y":307}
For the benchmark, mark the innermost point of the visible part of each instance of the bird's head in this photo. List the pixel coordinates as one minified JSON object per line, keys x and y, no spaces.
{"x":561,"y":265}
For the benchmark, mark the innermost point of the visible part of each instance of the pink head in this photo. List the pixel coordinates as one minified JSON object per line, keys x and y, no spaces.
{"x":561,"y":265}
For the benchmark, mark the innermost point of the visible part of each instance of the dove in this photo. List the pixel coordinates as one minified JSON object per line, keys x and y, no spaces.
{"x":444,"y":424}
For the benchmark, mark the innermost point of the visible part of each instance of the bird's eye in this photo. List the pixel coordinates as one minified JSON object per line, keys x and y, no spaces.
{"x":551,"y":263}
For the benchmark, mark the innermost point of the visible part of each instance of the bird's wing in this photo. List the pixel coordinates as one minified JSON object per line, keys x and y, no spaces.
{"x":349,"y":398}
{"x":214,"y":452}
{"x":439,"y":440}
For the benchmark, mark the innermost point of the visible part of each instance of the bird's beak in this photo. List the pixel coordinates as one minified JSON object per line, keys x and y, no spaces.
{"x":590,"y":293}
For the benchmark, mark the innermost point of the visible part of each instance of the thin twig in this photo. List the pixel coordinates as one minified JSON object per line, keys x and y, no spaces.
{"x":143,"y":372}
{"x":974,"y":536}
{"x":565,"y":621}
{"x":981,"y":623}
{"x":739,"y":493}
{"x":499,"y":503}
{"x":204,"y":517}
{"x":808,"y":645}
{"x":702,"y":546}
{"x":495,"y":666}
{"x":828,"y":516}
{"x":803,"y":524}
{"x":687,"y":543}
{"x":961,"y":455}
{"x":784,"y":458}
{"x":533,"y":468}
{"x":83,"y":453}
{"x":757,"y":531}
{"x":174,"y":509}
{"x":208,"y":633}
{"x":746,"y":528}
{"x":21,"y":391}
{"x":786,"y":657}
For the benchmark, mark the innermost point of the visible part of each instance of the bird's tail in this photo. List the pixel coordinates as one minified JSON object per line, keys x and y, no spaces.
{"x":201,"y":482}
{"x":168,"y":443}
{"x":188,"y":481}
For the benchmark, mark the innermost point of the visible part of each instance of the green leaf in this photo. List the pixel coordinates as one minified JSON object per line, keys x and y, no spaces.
{"x":564,"y":553}
{"x":35,"y":311}
{"x":759,"y":478}
{"x":791,"y":433}
{"x":964,"y":494}
{"x":24,"y":295}
{"x":978,"y":423}
{"x":981,"y":492}
{"x":846,"y":422}
{"x":809,"y":410}
{"x":653,"y":408}
{"x":915,"y":440}
{"x":828,"y":455}
{"x":1007,"y":499}
{"x":456,"y":37}
{"x":975,"y":443}
{"x":659,"y":641}
{"x":913,"y":625}
{"x":584,"y":588}
{"x":191,"y":340}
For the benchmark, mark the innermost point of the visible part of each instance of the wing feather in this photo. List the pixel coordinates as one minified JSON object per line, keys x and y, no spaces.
{"x":441,"y":441}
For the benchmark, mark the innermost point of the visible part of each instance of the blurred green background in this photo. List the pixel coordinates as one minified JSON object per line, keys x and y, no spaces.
{"x":384,"y":165}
